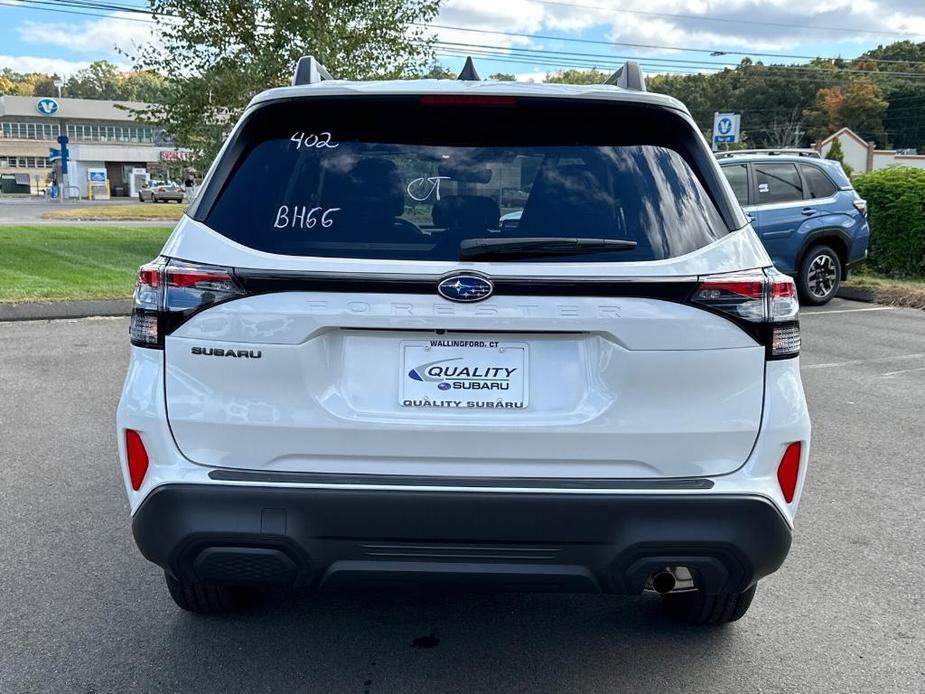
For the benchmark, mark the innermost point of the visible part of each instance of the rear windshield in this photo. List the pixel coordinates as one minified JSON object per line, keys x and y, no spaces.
{"x":411,"y":179}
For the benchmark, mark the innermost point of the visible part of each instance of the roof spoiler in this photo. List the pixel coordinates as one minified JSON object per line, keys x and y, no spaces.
{"x":628,"y":77}
{"x":309,"y":71}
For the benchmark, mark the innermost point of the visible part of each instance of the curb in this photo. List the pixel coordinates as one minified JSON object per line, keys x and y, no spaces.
{"x":857,"y":294}
{"x":54,"y":310}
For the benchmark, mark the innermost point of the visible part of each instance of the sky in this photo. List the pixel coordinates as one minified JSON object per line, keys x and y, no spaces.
{"x":529,"y":38}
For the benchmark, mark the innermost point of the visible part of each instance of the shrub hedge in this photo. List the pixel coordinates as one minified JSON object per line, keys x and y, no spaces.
{"x":896,"y":204}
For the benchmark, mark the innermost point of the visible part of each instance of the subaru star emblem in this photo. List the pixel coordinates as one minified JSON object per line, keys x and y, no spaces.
{"x":46,"y":106}
{"x":464,"y":287}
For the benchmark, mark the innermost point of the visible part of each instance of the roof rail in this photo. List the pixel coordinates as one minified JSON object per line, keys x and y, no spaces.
{"x":782,"y":151}
{"x":468,"y":73}
{"x":628,"y":77}
{"x":309,"y":71}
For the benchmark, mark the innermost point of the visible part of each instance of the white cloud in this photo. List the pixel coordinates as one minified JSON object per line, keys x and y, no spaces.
{"x":530,"y":76}
{"x":98,"y":36}
{"x":516,"y":16}
{"x":763,"y":25}
{"x":30,"y":63}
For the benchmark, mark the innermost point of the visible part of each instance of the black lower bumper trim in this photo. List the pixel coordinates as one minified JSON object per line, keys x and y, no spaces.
{"x":521,"y":541}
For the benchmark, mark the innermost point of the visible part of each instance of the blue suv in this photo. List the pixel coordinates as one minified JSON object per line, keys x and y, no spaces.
{"x":807,"y":214}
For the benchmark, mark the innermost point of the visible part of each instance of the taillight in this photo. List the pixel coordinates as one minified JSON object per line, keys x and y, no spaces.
{"x":861,"y":206}
{"x":762,"y":302}
{"x":169,"y":292}
{"x":788,"y":471}
{"x":144,"y":329}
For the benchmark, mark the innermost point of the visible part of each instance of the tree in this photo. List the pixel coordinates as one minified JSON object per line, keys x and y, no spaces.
{"x":835,"y":153}
{"x":217,"y":54}
{"x":502,"y":77}
{"x":862,"y":110}
{"x":99,"y":81}
{"x":592,"y":76}
{"x":103,"y":80}
{"x":858,"y":106}
{"x":26,"y":84}
{"x":439,"y":72}
{"x":784,"y":132}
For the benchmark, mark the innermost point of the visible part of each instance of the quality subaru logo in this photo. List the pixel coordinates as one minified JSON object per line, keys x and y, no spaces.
{"x":465,"y":288}
{"x":46,"y":106}
{"x":424,"y":372}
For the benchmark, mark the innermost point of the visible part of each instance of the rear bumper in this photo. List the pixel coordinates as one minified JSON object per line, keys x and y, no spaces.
{"x":521,"y":541}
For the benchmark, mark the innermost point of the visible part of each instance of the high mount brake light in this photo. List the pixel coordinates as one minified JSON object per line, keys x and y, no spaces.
{"x":169,"y":292}
{"x":762,"y":302}
{"x":468,"y":100}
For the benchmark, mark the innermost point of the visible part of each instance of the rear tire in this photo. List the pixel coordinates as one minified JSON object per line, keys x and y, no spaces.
{"x":204,"y":598}
{"x":819,"y":277}
{"x":696,"y":607}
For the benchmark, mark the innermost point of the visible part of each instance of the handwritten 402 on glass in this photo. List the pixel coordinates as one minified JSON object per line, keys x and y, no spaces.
{"x":311,"y":140}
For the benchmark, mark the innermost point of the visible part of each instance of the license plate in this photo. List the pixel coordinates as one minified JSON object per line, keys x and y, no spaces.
{"x":462,"y":374}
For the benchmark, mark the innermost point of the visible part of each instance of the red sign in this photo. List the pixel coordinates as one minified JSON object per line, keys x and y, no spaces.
{"x":175,"y":155}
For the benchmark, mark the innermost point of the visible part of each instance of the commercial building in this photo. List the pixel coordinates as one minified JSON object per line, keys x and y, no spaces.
{"x":110,"y":153}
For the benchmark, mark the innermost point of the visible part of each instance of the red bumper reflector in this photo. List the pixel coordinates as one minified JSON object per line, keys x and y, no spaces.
{"x":789,"y":470}
{"x":137,"y":458}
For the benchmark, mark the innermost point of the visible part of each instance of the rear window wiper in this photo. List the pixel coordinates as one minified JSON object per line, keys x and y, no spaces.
{"x":516,"y":248}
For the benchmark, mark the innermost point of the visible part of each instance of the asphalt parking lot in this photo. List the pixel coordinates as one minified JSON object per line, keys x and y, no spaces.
{"x":30,"y":210}
{"x":81,"y":610}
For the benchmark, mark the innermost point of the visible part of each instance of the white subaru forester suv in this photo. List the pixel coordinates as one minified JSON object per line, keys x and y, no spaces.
{"x":346,"y":372}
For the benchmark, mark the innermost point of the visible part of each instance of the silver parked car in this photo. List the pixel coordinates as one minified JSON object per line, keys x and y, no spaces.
{"x":159,"y":191}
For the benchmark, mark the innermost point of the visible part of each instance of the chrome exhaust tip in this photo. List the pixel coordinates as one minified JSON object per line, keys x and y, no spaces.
{"x":671,"y":579}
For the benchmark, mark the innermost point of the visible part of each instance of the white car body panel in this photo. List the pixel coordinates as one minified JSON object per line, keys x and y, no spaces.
{"x":785,"y":418}
{"x":324,"y":399}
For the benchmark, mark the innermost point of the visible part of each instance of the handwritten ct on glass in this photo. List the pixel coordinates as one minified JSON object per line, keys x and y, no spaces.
{"x":422,"y":188}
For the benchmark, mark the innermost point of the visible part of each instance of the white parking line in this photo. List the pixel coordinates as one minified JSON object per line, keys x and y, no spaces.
{"x":848,"y":310}
{"x":853,"y":362}
{"x":890,"y":374}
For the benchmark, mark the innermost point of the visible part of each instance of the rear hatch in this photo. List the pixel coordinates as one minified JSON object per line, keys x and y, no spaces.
{"x":367,"y":313}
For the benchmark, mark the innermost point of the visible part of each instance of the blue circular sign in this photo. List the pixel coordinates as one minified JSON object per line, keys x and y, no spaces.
{"x":724,"y":126}
{"x":46,"y":106}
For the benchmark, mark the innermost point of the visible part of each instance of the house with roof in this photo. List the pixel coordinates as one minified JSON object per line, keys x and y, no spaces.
{"x":863,"y":156}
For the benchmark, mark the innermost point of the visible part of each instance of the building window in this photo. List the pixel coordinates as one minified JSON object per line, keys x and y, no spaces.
{"x":109,"y":133}
{"x":25,"y":163}
{"x":29,"y":130}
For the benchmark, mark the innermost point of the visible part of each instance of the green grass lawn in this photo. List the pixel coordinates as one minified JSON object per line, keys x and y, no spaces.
{"x":39,"y":263}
